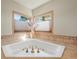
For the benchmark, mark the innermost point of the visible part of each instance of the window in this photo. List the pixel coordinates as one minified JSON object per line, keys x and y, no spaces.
{"x":18,"y":17}
{"x":43,"y":18}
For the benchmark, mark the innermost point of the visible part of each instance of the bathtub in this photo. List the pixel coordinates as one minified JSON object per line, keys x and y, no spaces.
{"x":25,"y":48}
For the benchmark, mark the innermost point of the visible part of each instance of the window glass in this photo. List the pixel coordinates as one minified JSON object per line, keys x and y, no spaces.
{"x":18,"y":17}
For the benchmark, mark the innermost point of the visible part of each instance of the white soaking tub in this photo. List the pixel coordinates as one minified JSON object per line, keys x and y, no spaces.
{"x":33,"y":48}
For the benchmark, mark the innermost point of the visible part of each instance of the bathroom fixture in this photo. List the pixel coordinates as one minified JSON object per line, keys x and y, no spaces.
{"x":27,"y":50}
{"x":38,"y":48}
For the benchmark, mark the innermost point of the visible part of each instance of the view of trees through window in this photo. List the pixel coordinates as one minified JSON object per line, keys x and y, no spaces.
{"x":19,"y":17}
{"x":43,"y":18}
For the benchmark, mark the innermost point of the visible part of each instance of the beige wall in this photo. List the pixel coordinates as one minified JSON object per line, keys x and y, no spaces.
{"x":7,"y":7}
{"x":65,"y":17}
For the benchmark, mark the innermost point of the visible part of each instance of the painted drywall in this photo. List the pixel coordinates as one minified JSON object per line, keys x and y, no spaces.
{"x":7,"y":7}
{"x":65,"y":16}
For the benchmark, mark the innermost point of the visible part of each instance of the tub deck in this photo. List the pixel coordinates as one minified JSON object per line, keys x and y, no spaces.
{"x":69,"y":42}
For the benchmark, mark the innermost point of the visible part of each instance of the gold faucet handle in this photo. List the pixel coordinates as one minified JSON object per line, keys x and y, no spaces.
{"x":26,"y":50}
{"x":38,"y":50}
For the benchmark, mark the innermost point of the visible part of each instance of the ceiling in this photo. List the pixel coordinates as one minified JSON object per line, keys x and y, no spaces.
{"x":31,"y":4}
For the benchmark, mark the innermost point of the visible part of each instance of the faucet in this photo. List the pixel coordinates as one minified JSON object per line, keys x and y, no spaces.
{"x":27,"y":50}
{"x":32,"y":51}
{"x":38,"y":50}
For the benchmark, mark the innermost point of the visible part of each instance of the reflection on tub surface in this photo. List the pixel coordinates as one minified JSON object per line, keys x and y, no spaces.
{"x":33,"y":48}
